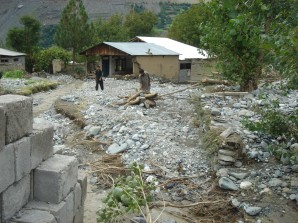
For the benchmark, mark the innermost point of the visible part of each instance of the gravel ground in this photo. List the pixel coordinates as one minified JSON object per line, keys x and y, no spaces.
{"x":165,"y":136}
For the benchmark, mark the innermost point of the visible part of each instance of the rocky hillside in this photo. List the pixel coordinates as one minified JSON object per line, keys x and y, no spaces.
{"x":49,"y":11}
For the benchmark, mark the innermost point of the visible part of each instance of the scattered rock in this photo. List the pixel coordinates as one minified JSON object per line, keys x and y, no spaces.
{"x":274,"y":182}
{"x":252,"y":210}
{"x":227,"y":183}
{"x":245,"y":185}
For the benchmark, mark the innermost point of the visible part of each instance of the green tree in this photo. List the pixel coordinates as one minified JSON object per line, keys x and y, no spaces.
{"x":25,"y":39}
{"x":73,"y":32}
{"x":140,"y":23}
{"x":47,"y":35}
{"x":245,"y":37}
{"x":281,"y":37}
{"x":110,"y":30}
{"x":186,"y":27}
{"x":43,"y":59}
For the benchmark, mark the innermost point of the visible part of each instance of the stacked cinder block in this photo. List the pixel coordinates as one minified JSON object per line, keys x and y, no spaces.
{"x":35,"y":185}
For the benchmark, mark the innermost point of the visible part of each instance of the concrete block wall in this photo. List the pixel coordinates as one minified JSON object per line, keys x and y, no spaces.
{"x":36,"y":185}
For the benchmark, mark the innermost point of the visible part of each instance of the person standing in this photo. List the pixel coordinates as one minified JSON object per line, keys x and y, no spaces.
{"x":144,"y":80}
{"x":98,"y":78}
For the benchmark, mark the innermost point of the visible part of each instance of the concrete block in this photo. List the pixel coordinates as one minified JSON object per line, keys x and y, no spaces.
{"x":41,"y":142}
{"x":82,"y":179}
{"x":55,"y":178}
{"x":77,"y":197}
{"x":22,"y":149}
{"x":79,"y":217}
{"x":7,"y":167}
{"x":19,"y":116}
{"x":69,"y":200}
{"x":34,"y":216}
{"x":2,"y":128}
{"x":31,"y":186}
{"x":57,"y":210}
{"x":15,"y":197}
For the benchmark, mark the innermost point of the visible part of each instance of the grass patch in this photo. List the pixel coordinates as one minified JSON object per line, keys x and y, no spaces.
{"x":212,"y":141}
{"x":210,"y":137}
{"x":203,"y":117}
{"x":37,"y":87}
{"x":14,"y":74}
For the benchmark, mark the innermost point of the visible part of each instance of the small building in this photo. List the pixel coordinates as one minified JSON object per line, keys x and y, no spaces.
{"x":127,"y":57}
{"x":193,"y":61}
{"x":11,"y":60}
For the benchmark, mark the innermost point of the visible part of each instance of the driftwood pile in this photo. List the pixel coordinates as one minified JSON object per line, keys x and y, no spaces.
{"x":140,"y":98}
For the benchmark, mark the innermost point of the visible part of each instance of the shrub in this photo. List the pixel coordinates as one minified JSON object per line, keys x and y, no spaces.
{"x":274,"y":122}
{"x":130,"y":194}
{"x":14,"y":74}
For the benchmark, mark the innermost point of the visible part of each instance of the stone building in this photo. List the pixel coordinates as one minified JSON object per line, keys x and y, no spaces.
{"x":11,"y":60}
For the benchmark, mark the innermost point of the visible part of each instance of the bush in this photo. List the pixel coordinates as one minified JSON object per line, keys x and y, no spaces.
{"x":274,"y":122}
{"x":44,"y":58}
{"x":129,"y":195}
{"x":14,"y":74}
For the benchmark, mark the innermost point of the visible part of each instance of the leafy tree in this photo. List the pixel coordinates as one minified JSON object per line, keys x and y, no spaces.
{"x":186,"y":26}
{"x":110,"y":30}
{"x":44,"y":58}
{"x":281,"y":37}
{"x":47,"y":35}
{"x":25,"y":39}
{"x":140,"y":23}
{"x":233,"y":35}
{"x":247,"y":36}
{"x":73,"y":32}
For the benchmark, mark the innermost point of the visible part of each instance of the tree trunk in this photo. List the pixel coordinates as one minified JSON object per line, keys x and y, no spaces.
{"x":249,"y":84}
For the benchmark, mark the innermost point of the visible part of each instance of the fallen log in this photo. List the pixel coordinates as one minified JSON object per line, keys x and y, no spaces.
{"x":134,"y":96}
{"x":151,"y":95}
{"x":192,"y":86}
{"x":213,"y":81}
{"x":149,"y":103}
{"x":135,"y":102}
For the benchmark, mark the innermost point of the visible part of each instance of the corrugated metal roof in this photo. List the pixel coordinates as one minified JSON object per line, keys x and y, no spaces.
{"x":185,"y":51}
{"x":141,"y":49}
{"x":6,"y":52}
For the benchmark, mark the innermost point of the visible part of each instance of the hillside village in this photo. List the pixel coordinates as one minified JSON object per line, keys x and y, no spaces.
{"x":211,"y":137}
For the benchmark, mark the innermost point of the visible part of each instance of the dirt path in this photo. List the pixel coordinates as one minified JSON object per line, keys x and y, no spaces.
{"x":43,"y":101}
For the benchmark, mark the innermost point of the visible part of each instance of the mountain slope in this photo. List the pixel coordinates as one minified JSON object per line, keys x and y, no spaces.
{"x":49,"y":11}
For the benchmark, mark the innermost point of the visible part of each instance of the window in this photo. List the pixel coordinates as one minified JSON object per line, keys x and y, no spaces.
{"x":120,"y":64}
{"x":16,"y":59}
{"x":4,"y":60}
{"x":185,"y":66}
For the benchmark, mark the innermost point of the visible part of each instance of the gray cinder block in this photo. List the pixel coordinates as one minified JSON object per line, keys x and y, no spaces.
{"x":55,"y":178}
{"x":34,"y":216}
{"x":82,"y":179}
{"x":7,"y":167}
{"x":22,"y":157}
{"x":15,"y":197}
{"x":41,"y":142}
{"x":69,"y":200}
{"x":79,"y":217}
{"x":19,"y":116}
{"x":77,"y":197}
{"x":58,"y":210}
{"x":2,"y":127}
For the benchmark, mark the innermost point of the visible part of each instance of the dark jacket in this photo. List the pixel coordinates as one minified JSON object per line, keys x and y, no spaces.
{"x":98,"y":74}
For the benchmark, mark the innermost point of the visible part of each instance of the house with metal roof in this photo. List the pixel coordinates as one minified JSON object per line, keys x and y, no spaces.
{"x":127,"y":57}
{"x":11,"y":60}
{"x":194,"y":62}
